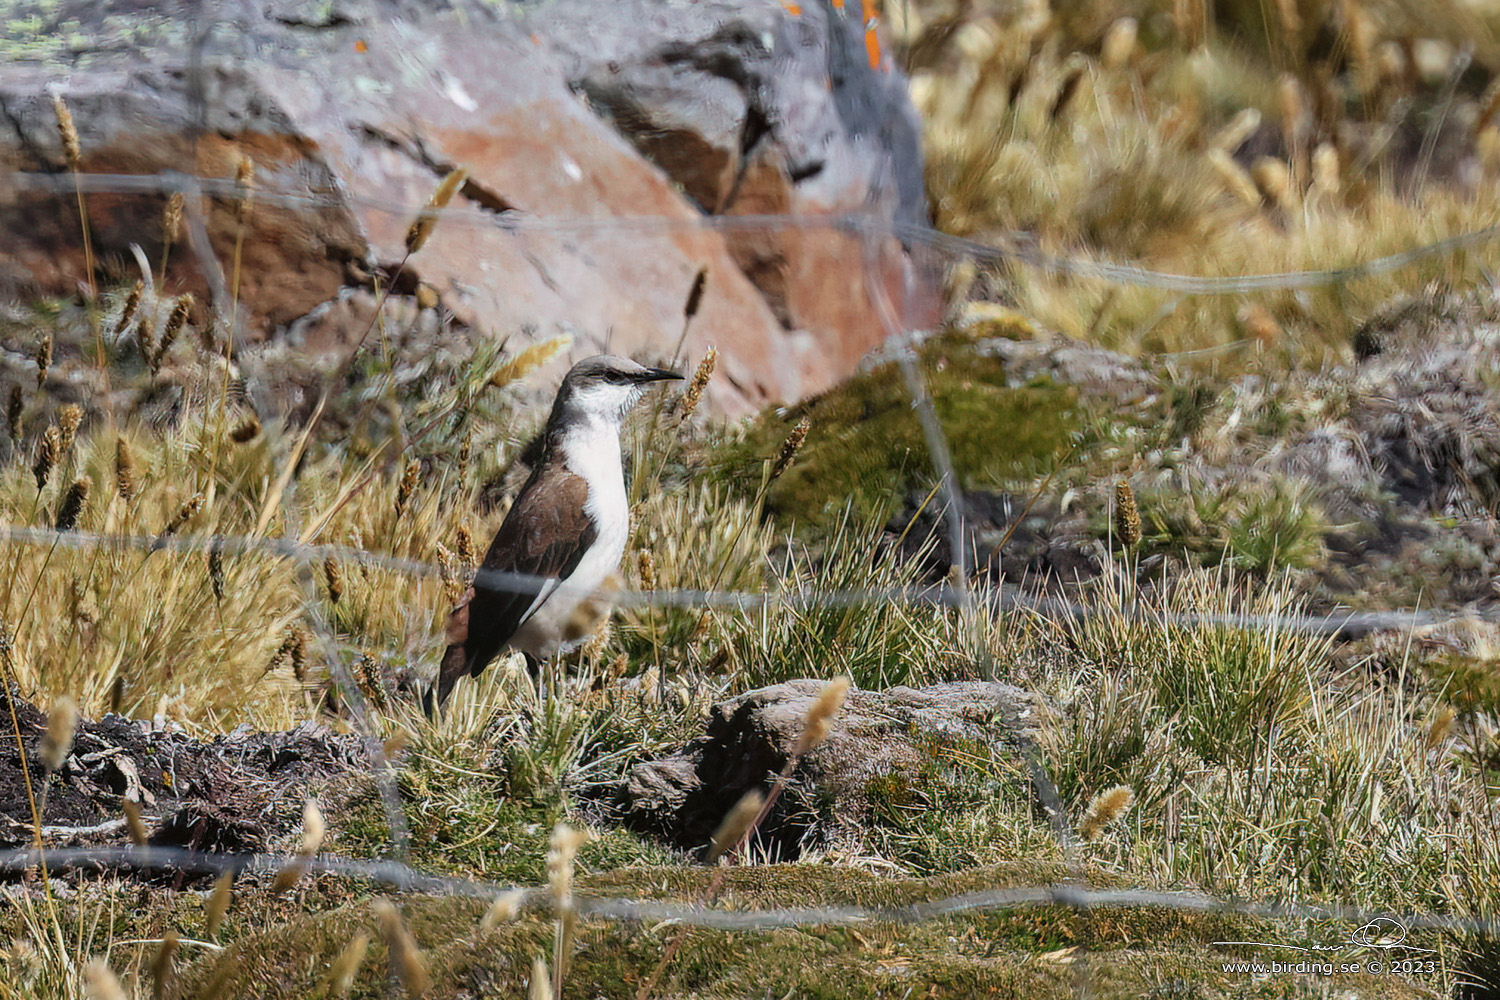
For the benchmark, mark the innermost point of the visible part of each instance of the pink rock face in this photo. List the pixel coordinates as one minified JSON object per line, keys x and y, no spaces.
{"x":572,"y":222}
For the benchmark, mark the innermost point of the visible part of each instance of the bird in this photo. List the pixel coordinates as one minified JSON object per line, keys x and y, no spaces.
{"x":563,"y":536}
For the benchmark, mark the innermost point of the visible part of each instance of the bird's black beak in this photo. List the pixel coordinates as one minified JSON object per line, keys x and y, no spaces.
{"x":657,"y":375}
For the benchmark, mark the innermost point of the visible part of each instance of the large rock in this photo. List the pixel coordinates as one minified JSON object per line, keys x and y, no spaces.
{"x":581,"y":216}
{"x":876,"y":738}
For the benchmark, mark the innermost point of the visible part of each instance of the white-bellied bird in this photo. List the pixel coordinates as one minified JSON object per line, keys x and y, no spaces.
{"x":563,"y":536}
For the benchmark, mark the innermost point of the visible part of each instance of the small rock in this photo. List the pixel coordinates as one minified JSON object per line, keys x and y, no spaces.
{"x":748,"y":740}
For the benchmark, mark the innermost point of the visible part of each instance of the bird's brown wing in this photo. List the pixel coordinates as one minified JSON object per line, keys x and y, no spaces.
{"x":545,"y":535}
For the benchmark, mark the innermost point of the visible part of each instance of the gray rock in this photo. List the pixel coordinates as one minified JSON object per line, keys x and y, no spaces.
{"x":748,"y":740}
{"x":351,"y":110}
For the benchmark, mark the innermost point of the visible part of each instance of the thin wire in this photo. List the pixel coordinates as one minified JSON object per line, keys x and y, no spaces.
{"x":405,"y":877}
{"x":1350,"y":624}
{"x":1015,"y":247}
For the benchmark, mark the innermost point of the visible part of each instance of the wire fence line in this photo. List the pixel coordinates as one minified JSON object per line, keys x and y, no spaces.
{"x":1005,"y":248}
{"x":404,"y":877}
{"x":994,"y":599}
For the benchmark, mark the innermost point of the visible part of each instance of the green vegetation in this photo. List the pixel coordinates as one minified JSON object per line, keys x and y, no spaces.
{"x":865,"y":443}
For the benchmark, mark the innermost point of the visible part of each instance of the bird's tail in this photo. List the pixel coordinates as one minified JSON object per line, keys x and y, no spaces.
{"x":455,"y":658}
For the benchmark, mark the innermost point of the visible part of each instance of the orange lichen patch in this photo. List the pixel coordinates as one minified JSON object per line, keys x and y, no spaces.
{"x":872,"y":40}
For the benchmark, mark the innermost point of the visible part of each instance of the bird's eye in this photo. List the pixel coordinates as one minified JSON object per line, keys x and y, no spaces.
{"x":615,"y":378}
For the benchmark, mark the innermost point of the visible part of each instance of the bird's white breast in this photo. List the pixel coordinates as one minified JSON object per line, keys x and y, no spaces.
{"x":591,"y":452}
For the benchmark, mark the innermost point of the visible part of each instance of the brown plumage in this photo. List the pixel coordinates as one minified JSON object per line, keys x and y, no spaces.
{"x":545,"y":534}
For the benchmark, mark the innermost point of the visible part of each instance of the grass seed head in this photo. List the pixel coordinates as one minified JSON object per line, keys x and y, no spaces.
{"x":790,"y":447}
{"x":560,"y":857}
{"x":145,"y":339}
{"x":371,"y":684}
{"x":406,"y":962}
{"x":426,"y":222}
{"x":540,"y":987}
{"x":464,"y":548}
{"x":647,"y":565}
{"x":1236,"y":180}
{"x":1106,"y":807}
{"x":161,"y":965}
{"x":185,"y":513}
{"x":43,"y":358}
{"x":1240,"y":128}
{"x":244,"y":183}
{"x":127,"y":311}
{"x":171,"y":218}
{"x":334,"y":577}
{"x":175,"y":322}
{"x":14,"y":407}
{"x":1119,"y":43}
{"x":218,"y":903}
{"x":68,"y":131}
{"x":134,"y":824}
{"x":72,"y":503}
{"x":1190,"y":18}
{"x":1272,"y":179}
{"x":407,"y":485}
{"x":527,"y":361}
{"x":69,"y":419}
{"x":736,"y":825}
{"x":47,"y":455}
{"x":1071,"y":82}
{"x":313,"y":831}
{"x":298,"y":654}
{"x":216,"y":569}
{"x":693,"y":394}
{"x":449,"y":575}
{"x":57,"y":741}
{"x":505,"y":908}
{"x":820,"y":716}
{"x":1439,"y":728}
{"x":1127,"y":515}
{"x":695,"y":295}
{"x":101,"y":981}
{"x":465,"y":450}
{"x":125,"y":483}
{"x":1327,"y":171}
{"x":346,"y":966}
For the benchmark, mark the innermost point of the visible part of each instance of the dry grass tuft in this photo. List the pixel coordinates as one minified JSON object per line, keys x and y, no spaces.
{"x":1155,"y":154}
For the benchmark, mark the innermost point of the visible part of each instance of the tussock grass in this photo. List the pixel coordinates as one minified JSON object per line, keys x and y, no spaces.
{"x":1036,"y":124}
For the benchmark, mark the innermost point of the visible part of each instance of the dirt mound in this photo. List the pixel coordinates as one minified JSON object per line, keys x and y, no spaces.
{"x":232,"y":794}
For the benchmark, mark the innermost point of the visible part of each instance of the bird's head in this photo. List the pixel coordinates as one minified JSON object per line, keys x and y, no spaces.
{"x":604,"y":387}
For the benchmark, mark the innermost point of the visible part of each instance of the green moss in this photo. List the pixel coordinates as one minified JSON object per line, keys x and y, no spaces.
{"x":866,"y":442}
{"x":1003,"y":953}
